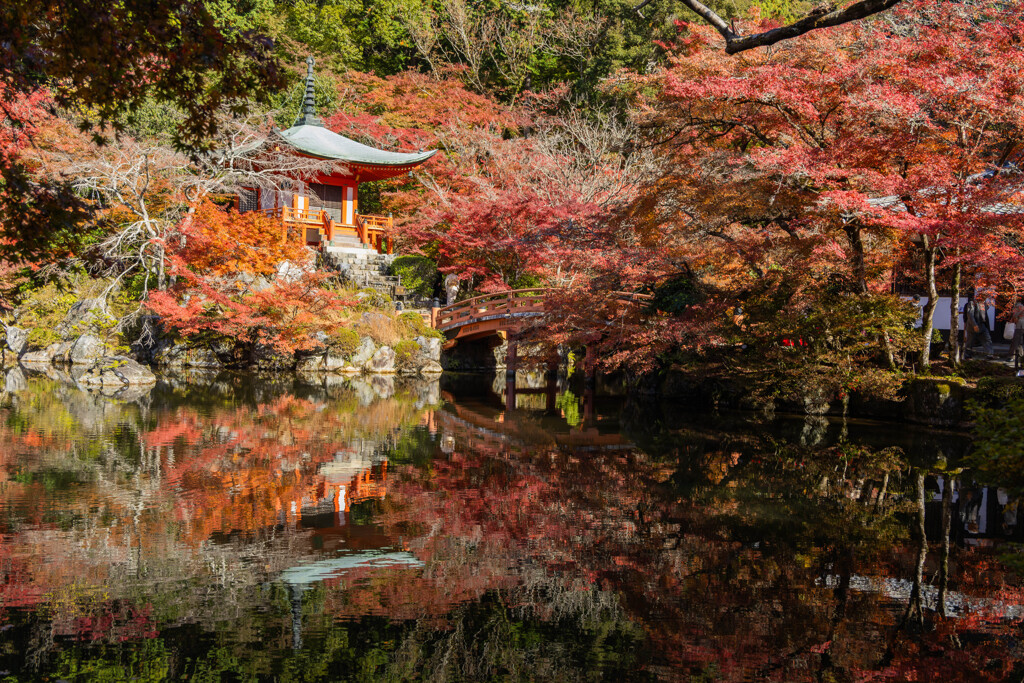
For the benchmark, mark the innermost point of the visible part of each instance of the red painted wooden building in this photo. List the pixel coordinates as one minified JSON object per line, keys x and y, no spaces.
{"x":326,"y":211}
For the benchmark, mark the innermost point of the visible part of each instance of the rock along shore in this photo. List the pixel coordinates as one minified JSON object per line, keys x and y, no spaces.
{"x":91,"y":361}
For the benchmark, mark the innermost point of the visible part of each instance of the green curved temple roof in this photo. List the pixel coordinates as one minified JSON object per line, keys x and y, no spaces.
{"x":317,"y":141}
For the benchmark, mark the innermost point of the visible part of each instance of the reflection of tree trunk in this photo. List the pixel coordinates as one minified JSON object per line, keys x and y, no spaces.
{"x":843,"y":568}
{"x":880,"y":500}
{"x":914,"y":606}
{"x":295,"y":595}
{"x":947,"y":518}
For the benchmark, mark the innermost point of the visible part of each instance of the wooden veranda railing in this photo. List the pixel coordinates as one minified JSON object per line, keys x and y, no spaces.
{"x":290,"y":215}
{"x":373,"y":231}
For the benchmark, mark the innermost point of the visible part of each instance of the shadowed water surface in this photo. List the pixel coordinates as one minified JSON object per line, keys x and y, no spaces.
{"x":245,"y":528}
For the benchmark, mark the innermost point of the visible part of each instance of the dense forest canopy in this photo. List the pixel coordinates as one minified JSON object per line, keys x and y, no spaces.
{"x":778,"y":193}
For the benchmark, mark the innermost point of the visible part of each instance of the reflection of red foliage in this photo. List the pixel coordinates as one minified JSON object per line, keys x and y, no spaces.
{"x":202,"y":474}
{"x":116,"y":621}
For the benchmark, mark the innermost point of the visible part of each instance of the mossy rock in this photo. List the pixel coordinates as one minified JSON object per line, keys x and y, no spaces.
{"x":417,"y":326}
{"x":936,"y":401}
{"x":343,"y":342}
{"x":405,"y":354}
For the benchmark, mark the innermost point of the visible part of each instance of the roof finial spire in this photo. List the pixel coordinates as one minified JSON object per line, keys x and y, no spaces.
{"x":307,"y":115}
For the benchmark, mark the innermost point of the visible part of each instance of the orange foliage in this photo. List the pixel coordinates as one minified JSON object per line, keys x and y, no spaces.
{"x":219,"y":243}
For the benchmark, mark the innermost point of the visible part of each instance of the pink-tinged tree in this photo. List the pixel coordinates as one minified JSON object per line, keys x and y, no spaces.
{"x":33,"y":197}
{"x":766,"y":161}
{"x":516,"y":198}
{"x":766,"y":33}
{"x":778,"y":163}
{"x":956,"y":176}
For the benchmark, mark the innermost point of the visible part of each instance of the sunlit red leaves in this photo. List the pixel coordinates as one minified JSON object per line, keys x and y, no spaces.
{"x":226,"y":264}
{"x":218,"y":243}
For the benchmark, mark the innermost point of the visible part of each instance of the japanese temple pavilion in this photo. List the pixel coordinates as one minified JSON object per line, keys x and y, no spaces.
{"x":327,"y":211}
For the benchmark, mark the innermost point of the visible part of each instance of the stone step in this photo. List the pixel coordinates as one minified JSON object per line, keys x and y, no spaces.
{"x":346,"y":249}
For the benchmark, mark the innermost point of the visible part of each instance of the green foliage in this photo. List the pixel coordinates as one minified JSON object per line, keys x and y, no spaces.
{"x":153,"y":119}
{"x":149,"y":661}
{"x":288,"y":103}
{"x":569,"y":404}
{"x":202,"y":56}
{"x":838,"y":327}
{"x":344,"y":340}
{"x":785,"y":11}
{"x":527,"y":281}
{"x":418,"y":273}
{"x":416,"y":326}
{"x":552,"y":43}
{"x":370,"y":299}
{"x":676,"y":295}
{"x":405,"y":351}
{"x":43,"y":310}
{"x":993,"y":392}
{"x":998,"y":454}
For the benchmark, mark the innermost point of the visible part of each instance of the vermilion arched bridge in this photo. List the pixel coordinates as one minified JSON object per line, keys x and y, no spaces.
{"x":508,"y":311}
{"x":506,"y":314}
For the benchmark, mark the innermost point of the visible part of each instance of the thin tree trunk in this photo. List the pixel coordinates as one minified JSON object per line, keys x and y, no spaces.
{"x":954,"y":317}
{"x":858,"y":264}
{"x":161,"y":279}
{"x":928,"y":317}
{"x":947,"y":518}
{"x":853,"y":233}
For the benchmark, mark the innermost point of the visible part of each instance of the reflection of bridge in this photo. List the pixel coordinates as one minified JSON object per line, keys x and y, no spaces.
{"x":497,"y":433}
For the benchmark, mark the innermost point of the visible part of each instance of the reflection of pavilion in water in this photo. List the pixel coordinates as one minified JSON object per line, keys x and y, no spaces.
{"x":357,"y":474}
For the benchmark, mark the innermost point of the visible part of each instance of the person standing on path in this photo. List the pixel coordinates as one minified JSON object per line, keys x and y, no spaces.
{"x":1017,"y":345}
{"x":976,"y":326}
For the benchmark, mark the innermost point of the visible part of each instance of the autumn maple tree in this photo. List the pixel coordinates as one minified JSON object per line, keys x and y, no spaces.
{"x":797,"y":181}
{"x":226,"y":265}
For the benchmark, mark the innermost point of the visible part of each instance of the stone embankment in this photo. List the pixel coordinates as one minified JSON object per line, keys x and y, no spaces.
{"x":419,"y":356}
{"x":85,"y":356}
{"x":83,"y":359}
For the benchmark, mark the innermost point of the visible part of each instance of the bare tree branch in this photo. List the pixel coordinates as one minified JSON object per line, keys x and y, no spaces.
{"x":818,"y":18}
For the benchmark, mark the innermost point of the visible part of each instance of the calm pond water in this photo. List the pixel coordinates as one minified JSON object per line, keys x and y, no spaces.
{"x":250,"y":529}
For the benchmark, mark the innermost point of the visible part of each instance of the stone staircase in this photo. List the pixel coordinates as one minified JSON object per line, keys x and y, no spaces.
{"x":362,"y":266}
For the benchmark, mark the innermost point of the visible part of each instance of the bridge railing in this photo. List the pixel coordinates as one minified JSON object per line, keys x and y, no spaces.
{"x":516,"y":303}
{"x":512,"y":304}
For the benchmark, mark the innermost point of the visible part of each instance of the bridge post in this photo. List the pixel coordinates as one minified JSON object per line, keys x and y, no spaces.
{"x":588,"y":404}
{"x":551,"y":381}
{"x":510,"y":394}
{"x":511,"y":359}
